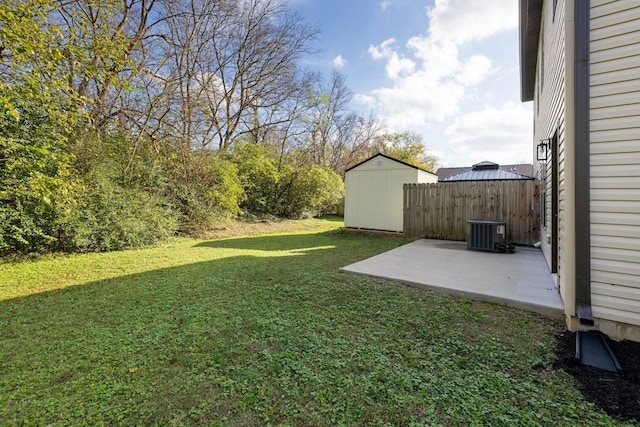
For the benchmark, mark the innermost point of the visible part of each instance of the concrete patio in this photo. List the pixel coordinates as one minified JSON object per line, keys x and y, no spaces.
{"x":521,"y":280}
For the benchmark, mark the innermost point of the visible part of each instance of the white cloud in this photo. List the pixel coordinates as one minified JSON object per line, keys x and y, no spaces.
{"x":416,"y":99}
{"x":397,"y":65}
{"x":432,"y":78}
{"x":383,"y":50}
{"x":475,"y":70}
{"x":367,"y":101}
{"x":385,"y":4}
{"x":439,"y":59}
{"x":339,"y":62}
{"x":461,"y":21}
{"x":500,"y":135}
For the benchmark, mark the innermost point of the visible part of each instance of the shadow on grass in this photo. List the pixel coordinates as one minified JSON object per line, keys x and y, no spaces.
{"x":136,"y":348}
{"x":271,"y":243}
{"x":272,"y":337}
{"x":105,"y":347}
{"x":302,"y":241}
{"x":332,"y":218}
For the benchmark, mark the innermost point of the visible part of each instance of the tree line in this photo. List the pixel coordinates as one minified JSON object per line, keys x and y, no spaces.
{"x":123,"y":122}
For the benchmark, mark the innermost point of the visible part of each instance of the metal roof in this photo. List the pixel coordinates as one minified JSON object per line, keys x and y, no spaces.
{"x":485,"y":173}
{"x":521,"y":169}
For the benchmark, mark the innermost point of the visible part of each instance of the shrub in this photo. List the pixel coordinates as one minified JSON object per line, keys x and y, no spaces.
{"x":258,"y":174}
{"x":282,"y":189}
{"x":35,"y":180}
{"x":207,"y":193}
{"x":308,"y":191}
{"x":25,"y":226}
{"x":109,"y":217}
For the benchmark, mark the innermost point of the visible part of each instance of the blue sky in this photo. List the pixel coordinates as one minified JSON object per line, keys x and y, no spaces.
{"x":446,"y":69}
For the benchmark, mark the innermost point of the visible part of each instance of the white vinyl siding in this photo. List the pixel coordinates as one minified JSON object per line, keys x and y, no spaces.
{"x":549,"y":113}
{"x":615,"y":159}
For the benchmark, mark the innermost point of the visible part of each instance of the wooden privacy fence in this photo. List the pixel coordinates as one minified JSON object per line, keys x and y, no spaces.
{"x":441,"y":211}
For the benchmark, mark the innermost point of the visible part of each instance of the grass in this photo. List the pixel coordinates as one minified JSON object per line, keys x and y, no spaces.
{"x":265,"y":330}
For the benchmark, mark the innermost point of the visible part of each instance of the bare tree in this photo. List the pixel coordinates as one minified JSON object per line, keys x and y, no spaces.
{"x":336,"y":135}
{"x":329,"y":111}
{"x":355,"y":138}
{"x":229,"y":67}
{"x":101,"y":41}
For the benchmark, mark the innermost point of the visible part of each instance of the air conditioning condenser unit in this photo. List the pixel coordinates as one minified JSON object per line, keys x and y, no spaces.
{"x":488,"y":235}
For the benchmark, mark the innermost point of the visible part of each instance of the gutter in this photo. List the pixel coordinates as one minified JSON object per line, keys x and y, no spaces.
{"x":582,"y":222}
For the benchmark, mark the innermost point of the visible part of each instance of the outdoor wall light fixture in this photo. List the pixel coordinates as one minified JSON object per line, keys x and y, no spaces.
{"x":543,"y":149}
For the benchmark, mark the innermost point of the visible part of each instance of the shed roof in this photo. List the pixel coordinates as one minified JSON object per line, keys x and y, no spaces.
{"x":390,"y":158}
{"x":530,"y":19}
{"x":486,"y":171}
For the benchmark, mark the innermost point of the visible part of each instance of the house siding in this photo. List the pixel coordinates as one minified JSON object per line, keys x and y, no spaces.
{"x":549,"y":119}
{"x":615,"y":160}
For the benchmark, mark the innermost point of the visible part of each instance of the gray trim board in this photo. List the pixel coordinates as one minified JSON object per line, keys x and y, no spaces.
{"x":582,"y":170}
{"x":554,"y":202}
{"x":530,"y":21}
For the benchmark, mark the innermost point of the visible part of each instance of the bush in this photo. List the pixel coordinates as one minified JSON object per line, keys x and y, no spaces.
{"x":35,"y":180}
{"x":25,"y":226}
{"x":258,"y":174}
{"x":308,"y":191}
{"x":207,"y":193}
{"x":285,"y":190}
{"x":109,"y":217}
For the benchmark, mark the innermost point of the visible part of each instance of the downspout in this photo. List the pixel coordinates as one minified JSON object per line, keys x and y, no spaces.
{"x":582,"y":165}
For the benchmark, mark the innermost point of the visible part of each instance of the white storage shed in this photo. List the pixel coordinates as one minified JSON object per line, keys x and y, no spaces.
{"x":374,"y":192}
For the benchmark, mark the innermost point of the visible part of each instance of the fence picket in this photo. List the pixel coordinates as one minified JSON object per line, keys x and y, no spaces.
{"x":442,"y":210}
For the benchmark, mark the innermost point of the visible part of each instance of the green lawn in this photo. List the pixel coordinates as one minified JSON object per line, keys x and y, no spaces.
{"x":265,"y":330}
